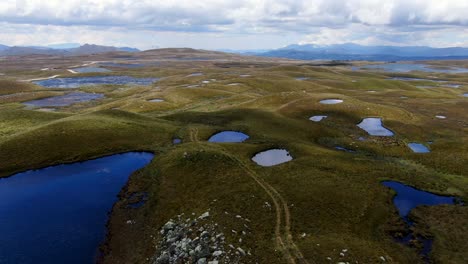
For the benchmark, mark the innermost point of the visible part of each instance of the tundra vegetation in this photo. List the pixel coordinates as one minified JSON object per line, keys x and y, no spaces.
{"x":322,"y":206}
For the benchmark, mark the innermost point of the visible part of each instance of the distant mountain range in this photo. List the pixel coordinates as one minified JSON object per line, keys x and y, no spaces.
{"x":67,"y":49}
{"x":351,"y":51}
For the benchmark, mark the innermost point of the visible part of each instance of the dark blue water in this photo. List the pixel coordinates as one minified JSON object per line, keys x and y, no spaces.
{"x":228,"y":137}
{"x":408,"y":198}
{"x":176,"y":141}
{"x":95,"y":80}
{"x":64,"y":100}
{"x":58,"y":214}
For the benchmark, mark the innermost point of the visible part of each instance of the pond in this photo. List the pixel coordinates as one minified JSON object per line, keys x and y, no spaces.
{"x":176,"y":141}
{"x":331,"y":101}
{"x":228,"y":137}
{"x":95,"y":80}
{"x":317,"y":118}
{"x":272,"y":157}
{"x":90,"y":70}
{"x":156,"y":100}
{"x":418,"y":148}
{"x":406,"y":199}
{"x":195,"y":74}
{"x":440,"y":117}
{"x":64,"y":100}
{"x":410,"y":79}
{"x":373,"y":126}
{"x":58,"y":214}
{"x":302,"y":78}
{"x":408,"y":67}
{"x":122,"y":65}
{"x":345,"y":149}
{"x":465,"y":94}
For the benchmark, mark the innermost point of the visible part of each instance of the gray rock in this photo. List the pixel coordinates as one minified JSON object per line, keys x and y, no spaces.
{"x":204,"y":215}
{"x":241,"y":251}
{"x":202,"y":261}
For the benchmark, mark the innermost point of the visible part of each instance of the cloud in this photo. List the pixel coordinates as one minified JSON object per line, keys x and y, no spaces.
{"x":249,"y":15}
{"x":322,"y":21}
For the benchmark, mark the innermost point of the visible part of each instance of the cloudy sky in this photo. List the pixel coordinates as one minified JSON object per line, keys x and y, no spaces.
{"x":234,"y":24}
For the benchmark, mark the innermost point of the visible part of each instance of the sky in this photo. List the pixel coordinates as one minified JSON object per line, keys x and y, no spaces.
{"x":234,"y":24}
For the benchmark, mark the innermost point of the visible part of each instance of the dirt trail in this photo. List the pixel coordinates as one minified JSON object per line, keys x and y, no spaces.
{"x":194,"y":134}
{"x":283,"y":237}
{"x":283,"y":240}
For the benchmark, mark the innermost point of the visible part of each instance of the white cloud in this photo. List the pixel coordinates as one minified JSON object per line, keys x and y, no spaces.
{"x":320,"y":21}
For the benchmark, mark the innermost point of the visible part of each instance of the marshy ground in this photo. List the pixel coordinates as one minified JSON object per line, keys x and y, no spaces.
{"x":323,"y":206}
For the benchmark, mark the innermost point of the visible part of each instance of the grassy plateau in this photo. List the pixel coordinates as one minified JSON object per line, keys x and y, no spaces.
{"x":307,"y":210}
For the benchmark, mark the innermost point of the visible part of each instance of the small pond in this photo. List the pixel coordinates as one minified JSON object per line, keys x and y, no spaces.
{"x":408,"y":67}
{"x":122,"y":65}
{"x":406,"y":199}
{"x":64,"y":100}
{"x":95,"y":80}
{"x":90,"y":69}
{"x":317,"y":118}
{"x":345,"y":149}
{"x":176,"y":141}
{"x":302,"y":78}
{"x":228,"y":137}
{"x":451,"y":85}
{"x":331,"y":101}
{"x":374,"y":127}
{"x":412,"y":79}
{"x":465,"y":94}
{"x":272,"y":157}
{"x":156,"y":100}
{"x":418,"y":148}
{"x":58,"y":214}
{"x":195,"y":74}
{"x":440,"y":117}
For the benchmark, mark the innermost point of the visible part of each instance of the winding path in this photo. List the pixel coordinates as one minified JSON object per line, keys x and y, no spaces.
{"x":283,"y":236}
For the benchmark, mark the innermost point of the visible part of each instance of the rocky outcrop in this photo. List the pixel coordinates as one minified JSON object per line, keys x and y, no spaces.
{"x":198,"y":240}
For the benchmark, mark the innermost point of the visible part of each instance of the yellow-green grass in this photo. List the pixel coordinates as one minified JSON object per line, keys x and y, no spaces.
{"x":334,"y":197}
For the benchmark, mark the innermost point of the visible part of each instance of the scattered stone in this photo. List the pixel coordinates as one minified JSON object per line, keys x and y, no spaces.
{"x":205,"y":215}
{"x":191,"y":241}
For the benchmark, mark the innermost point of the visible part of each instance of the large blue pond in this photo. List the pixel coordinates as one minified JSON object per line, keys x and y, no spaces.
{"x":58,"y":214}
{"x":64,"y":100}
{"x":228,"y":137}
{"x":95,"y":80}
{"x":408,"y":198}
